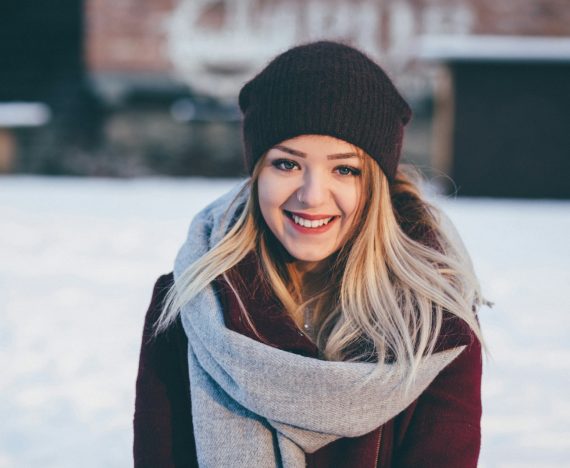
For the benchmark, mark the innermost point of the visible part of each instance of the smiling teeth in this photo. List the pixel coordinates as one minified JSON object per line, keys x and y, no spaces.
{"x":310,"y":224}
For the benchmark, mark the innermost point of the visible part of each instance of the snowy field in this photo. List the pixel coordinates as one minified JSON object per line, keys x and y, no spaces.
{"x":79,"y":257}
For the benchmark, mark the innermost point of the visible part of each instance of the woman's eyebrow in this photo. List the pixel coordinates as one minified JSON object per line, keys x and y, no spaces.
{"x":304,"y":155}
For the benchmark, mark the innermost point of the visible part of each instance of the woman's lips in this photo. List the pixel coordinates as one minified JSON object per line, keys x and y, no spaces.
{"x":308,"y":230}
{"x":309,"y":216}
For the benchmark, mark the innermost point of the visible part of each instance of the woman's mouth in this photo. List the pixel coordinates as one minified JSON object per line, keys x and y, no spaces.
{"x":307,"y":226}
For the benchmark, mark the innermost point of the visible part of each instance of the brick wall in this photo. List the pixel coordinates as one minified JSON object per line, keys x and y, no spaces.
{"x":511,"y":17}
{"x":126,"y":35}
{"x":516,"y":17}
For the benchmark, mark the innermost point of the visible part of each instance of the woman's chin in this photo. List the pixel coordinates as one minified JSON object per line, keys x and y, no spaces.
{"x":308,"y":261}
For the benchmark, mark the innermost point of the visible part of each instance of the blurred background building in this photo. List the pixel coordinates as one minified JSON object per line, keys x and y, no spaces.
{"x":128,"y":88}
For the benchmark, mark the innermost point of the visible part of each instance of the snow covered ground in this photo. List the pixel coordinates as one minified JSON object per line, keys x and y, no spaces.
{"x":78,"y":259}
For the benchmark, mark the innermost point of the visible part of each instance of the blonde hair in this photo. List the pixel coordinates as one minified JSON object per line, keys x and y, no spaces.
{"x":400,"y":272}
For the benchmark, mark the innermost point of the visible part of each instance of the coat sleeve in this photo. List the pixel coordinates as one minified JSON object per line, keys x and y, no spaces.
{"x":442,"y":428}
{"x":163,"y":435}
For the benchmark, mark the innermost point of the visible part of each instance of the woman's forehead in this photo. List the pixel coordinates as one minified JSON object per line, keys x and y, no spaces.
{"x":318,"y":145}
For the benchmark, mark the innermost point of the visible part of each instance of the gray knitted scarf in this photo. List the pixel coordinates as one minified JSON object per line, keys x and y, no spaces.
{"x":256,"y":405}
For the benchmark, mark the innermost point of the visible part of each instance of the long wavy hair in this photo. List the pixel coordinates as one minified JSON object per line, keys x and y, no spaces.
{"x":401,"y":271}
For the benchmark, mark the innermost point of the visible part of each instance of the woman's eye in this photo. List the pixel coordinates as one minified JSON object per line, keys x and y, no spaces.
{"x":347,"y":170}
{"x":284,"y":164}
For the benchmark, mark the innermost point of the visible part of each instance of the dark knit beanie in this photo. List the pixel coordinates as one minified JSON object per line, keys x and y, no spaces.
{"x":324,"y":88}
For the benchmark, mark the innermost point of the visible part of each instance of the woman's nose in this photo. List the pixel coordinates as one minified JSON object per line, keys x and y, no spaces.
{"x":313,"y":192}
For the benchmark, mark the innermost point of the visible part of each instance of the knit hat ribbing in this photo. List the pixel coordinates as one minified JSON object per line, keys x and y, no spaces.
{"x":324,"y":88}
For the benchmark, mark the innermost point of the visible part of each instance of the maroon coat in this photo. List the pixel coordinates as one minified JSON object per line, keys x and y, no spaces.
{"x":440,"y":429}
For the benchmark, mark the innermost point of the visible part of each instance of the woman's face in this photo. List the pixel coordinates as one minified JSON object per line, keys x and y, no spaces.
{"x":309,"y":189}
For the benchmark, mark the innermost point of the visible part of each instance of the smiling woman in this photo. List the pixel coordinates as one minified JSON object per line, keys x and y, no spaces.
{"x":309,"y":201}
{"x":322,"y":313}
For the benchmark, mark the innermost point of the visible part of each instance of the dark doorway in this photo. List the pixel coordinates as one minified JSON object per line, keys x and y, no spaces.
{"x":512,"y":129}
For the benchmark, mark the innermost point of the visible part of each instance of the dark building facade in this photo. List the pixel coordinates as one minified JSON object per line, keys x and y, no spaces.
{"x":504,"y":114}
{"x":511,"y":135}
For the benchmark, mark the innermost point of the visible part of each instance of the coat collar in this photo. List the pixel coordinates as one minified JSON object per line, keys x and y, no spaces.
{"x":277,"y":327}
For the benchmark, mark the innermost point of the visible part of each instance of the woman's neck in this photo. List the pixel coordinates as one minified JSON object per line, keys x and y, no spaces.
{"x":313,"y":279}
